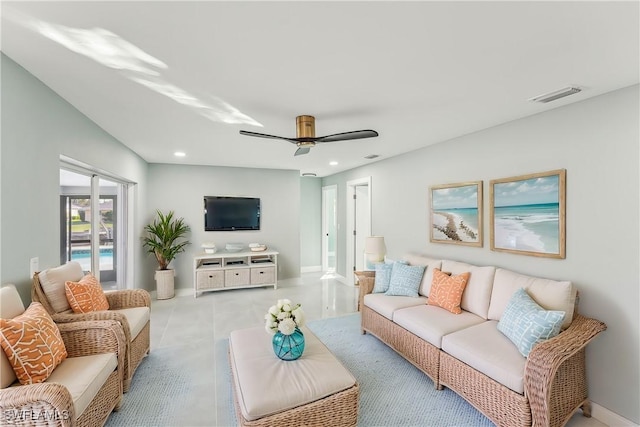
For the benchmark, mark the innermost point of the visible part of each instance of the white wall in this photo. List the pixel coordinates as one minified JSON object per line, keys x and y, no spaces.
{"x":597,"y":142}
{"x":37,"y":127}
{"x":181,"y":188}
{"x":310,"y":222}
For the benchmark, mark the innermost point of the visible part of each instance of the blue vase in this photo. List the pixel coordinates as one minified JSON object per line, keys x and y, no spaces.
{"x":288,"y":347}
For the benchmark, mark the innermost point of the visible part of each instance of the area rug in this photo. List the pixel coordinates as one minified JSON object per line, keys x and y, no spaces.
{"x":165,"y":392}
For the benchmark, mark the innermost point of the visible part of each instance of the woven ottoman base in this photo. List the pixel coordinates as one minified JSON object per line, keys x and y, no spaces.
{"x":315,"y":390}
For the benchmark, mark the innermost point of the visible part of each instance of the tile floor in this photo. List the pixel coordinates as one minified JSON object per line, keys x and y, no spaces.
{"x":196,"y":323}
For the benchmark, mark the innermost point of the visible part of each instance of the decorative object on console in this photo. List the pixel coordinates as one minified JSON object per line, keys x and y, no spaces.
{"x":234,"y":247}
{"x":257,"y":247}
{"x":456,"y":213}
{"x":284,"y":321}
{"x":163,"y":239}
{"x":209,"y":248}
{"x":375,"y":249}
{"x":516,"y":214}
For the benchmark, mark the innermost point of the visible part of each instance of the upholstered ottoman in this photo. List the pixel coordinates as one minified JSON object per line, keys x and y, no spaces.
{"x":315,"y":390}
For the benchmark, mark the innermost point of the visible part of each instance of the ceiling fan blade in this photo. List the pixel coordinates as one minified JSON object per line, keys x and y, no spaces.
{"x":264,"y":135}
{"x":344,"y":136}
{"x":302,"y":150}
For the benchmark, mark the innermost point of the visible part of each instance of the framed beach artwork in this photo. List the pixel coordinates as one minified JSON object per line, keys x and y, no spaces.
{"x":456,"y":213}
{"x":528,"y":214}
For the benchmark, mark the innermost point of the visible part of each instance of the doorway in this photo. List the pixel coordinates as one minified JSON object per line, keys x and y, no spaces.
{"x":358,"y":224}
{"x":329,"y":228}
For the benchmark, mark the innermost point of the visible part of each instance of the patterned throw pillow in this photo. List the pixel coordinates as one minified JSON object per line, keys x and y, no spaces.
{"x":405,"y":280}
{"x":446,"y":290}
{"x":525,"y":323}
{"x":33,"y":344}
{"x":86,"y":295}
{"x":383,"y":277}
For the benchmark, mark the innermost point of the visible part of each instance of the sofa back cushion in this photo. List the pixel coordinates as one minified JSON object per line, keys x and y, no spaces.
{"x":53,"y":280}
{"x":549,"y":294}
{"x":477,"y":294}
{"x":427,"y":277}
{"x":10,"y":307}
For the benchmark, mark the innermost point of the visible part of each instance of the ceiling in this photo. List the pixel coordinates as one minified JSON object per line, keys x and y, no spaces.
{"x":187,"y":76}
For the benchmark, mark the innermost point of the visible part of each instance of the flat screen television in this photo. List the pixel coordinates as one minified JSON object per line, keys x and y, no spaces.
{"x":230,"y":213}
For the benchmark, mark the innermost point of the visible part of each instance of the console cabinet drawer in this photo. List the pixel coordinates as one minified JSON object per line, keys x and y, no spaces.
{"x":210,"y":279}
{"x":236,"y":277}
{"x":263,"y":275}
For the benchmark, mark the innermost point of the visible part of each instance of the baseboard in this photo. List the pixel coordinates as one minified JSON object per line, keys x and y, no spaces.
{"x":311,"y":269}
{"x":609,"y":418}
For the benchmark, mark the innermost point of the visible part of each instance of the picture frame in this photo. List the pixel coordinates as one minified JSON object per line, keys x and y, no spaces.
{"x":456,"y":214}
{"x":527,"y":214}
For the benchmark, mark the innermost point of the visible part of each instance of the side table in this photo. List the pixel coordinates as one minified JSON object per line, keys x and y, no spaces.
{"x":365,"y":280}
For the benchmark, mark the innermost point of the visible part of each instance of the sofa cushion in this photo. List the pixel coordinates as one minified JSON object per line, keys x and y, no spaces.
{"x":488,"y":351}
{"x":33,"y":344}
{"x":431,"y":323}
{"x":405,"y":280}
{"x":53,"y":280}
{"x":549,"y":294}
{"x":84,"y":376}
{"x":477,"y":294}
{"x":137,"y":317}
{"x":446,"y":290}
{"x":385,"y":305}
{"x":10,"y":307}
{"x":525,"y":323}
{"x":427,"y":277}
{"x":86,"y":295}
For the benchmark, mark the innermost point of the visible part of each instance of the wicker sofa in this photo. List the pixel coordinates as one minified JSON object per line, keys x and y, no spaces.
{"x":82,"y":390}
{"x":466,"y":352}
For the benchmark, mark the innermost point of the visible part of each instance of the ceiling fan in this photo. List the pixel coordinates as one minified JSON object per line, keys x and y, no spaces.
{"x":306,"y":135}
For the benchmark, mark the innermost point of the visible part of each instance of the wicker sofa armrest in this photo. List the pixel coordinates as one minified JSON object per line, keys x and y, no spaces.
{"x":366,"y":280}
{"x":36,"y":404}
{"x":128,"y":298}
{"x":545,"y":360}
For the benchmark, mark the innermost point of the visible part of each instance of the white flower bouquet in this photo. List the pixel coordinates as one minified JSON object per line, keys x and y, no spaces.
{"x":284,"y":317}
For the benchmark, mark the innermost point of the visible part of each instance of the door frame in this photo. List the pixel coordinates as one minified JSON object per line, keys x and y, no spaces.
{"x":325,"y":225}
{"x":351,"y":223}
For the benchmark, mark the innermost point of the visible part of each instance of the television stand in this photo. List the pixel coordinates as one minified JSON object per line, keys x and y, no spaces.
{"x":234,"y":270}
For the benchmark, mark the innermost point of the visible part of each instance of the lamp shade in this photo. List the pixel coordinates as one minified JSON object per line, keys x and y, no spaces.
{"x":374,"y":245}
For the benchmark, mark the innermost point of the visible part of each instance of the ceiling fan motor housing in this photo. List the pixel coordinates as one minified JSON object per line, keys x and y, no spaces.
{"x":306,"y":127}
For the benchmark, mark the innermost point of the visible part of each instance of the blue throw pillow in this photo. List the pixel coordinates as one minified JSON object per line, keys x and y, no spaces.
{"x":405,"y":280}
{"x":525,"y":323}
{"x":383,"y":277}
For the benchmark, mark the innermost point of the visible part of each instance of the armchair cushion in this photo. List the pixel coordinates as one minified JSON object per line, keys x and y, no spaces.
{"x":84,"y":376}
{"x":86,"y":295}
{"x":137,"y":317}
{"x":10,"y":307}
{"x":53,"y":280}
{"x":33,"y":344}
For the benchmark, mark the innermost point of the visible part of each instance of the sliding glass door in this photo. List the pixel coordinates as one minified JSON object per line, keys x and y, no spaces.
{"x":93,"y":238}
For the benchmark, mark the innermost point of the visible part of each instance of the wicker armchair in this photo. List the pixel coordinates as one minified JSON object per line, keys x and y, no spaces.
{"x":130,"y":308}
{"x":56,"y":401}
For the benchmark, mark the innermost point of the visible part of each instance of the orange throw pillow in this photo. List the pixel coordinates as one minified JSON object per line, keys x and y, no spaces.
{"x":33,"y":344}
{"x":446,"y":291}
{"x":86,"y":295}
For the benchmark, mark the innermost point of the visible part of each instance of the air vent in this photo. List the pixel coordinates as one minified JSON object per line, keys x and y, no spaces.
{"x":552,"y":96}
{"x":372,"y":156}
{"x":309,"y":174}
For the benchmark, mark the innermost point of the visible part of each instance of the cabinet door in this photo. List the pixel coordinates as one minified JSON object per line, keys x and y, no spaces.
{"x":236,"y":277}
{"x":210,"y":279}
{"x":263,"y":275}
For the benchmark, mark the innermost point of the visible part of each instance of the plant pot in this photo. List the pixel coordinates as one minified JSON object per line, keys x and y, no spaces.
{"x":164,"y":283}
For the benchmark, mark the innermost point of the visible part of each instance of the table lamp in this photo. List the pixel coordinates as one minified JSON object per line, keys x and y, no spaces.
{"x":375,"y":249}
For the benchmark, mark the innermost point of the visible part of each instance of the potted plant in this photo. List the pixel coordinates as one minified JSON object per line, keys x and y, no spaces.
{"x":165,"y":239}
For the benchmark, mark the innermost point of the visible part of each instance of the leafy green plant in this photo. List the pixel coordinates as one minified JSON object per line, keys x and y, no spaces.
{"x":163,"y":239}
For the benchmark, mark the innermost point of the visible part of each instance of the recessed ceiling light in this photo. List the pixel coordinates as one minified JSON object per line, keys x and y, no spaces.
{"x":557,"y":94}
{"x":334,"y":163}
{"x":179,"y":154}
{"x":372,"y":156}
